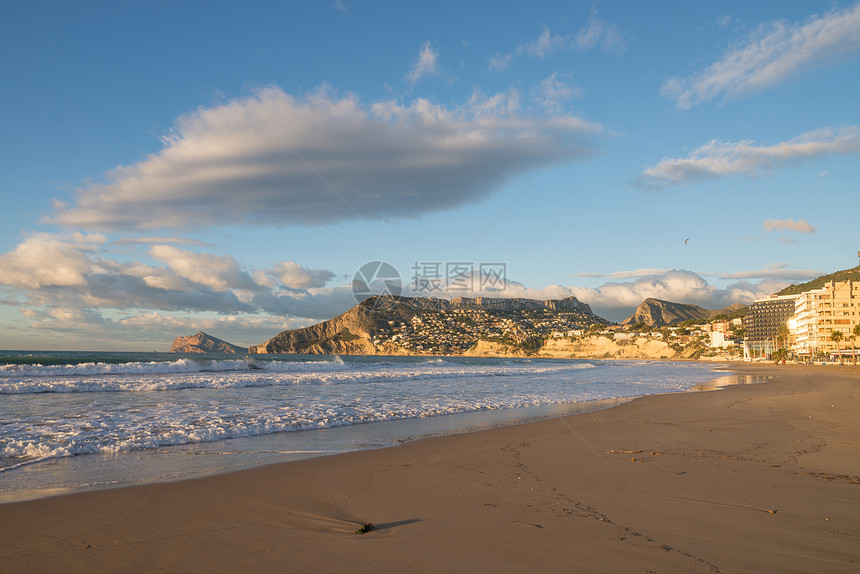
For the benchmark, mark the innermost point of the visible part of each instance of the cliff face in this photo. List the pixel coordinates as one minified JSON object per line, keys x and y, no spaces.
{"x":203,"y":343}
{"x":600,"y":347}
{"x":349,"y":333}
{"x":657,"y":313}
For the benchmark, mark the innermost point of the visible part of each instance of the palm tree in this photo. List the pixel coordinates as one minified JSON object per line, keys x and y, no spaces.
{"x":782,"y":336}
{"x":854,"y":334}
{"x":836,"y":336}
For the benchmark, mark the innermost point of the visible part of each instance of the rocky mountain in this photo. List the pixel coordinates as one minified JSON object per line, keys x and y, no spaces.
{"x":349,"y":333}
{"x":659,"y":313}
{"x":415,"y":325}
{"x":203,"y":343}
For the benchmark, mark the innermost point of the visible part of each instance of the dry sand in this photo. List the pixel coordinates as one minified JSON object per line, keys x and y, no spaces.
{"x":753,"y":478}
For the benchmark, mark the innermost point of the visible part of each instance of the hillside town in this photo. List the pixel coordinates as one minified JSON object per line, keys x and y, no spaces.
{"x":455,"y":331}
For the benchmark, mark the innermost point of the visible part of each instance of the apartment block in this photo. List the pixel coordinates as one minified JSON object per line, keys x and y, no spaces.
{"x":804,"y":326}
{"x":838,"y":310}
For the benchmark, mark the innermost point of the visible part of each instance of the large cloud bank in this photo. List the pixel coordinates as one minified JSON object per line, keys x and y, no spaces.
{"x":279,"y":159}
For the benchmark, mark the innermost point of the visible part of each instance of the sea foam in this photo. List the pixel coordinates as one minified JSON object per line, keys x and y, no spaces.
{"x":65,"y":410}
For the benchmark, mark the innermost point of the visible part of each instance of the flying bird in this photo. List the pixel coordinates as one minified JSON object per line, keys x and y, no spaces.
{"x":686,"y":240}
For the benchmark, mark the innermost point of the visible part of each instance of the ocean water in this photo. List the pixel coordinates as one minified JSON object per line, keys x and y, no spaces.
{"x":82,"y":420}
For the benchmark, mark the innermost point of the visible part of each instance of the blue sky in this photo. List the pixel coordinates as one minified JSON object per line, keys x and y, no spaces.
{"x":171,"y":167}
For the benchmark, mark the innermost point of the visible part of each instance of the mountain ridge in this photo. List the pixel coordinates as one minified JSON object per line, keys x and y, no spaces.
{"x":406,"y":325}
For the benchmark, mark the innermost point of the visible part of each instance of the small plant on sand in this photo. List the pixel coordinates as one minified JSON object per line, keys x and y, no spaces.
{"x":365,"y":528}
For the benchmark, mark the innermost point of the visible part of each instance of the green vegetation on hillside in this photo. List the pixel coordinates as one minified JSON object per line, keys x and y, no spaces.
{"x":852,"y":274}
{"x":728,"y":314}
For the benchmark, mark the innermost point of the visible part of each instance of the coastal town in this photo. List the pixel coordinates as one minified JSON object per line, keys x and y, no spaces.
{"x":817,"y":321}
{"x":456,"y":331}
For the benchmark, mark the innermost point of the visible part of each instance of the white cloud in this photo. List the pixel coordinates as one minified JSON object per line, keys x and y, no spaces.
{"x":58,"y":272}
{"x":557,"y":88}
{"x":616,"y":301}
{"x":498,"y":105}
{"x":774,"y":53}
{"x":151,"y":240}
{"x":545,"y":44}
{"x":596,"y":33}
{"x":501,"y":62}
{"x":69,"y":286}
{"x":718,"y":159}
{"x":83,"y":328}
{"x":244,"y":330}
{"x":294,"y":276}
{"x":800,"y":225}
{"x":44,"y":260}
{"x":341,"y":7}
{"x":273,"y":158}
{"x":601,"y":33}
{"x":674,"y":285}
{"x":723,"y":22}
{"x":157,"y":277}
{"x":426,"y":65}
{"x":319,"y":304}
{"x":218,"y":272}
{"x":773,"y":272}
{"x":109,"y":297}
{"x":644,"y":272}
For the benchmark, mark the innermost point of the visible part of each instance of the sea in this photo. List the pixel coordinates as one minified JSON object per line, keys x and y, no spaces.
{"x":76,"y":420}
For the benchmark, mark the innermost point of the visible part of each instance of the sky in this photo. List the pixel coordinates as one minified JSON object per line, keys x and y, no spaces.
{"x":169,"y":167}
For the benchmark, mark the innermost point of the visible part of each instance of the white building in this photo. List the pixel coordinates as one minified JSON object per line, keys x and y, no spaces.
{"x":805,"y":324}
{"x":718,"y":340}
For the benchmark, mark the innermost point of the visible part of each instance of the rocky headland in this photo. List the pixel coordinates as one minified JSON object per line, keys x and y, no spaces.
{"x":418,"y":325}
{"x":203,"y":343}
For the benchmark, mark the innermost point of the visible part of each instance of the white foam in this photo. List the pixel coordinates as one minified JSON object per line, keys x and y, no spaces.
{"x":184,"y":374}
{"x":134,"y":406}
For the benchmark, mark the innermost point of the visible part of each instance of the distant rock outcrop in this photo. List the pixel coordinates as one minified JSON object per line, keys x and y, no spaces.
{"x":203,"y":343}
{"x":657,"y":313}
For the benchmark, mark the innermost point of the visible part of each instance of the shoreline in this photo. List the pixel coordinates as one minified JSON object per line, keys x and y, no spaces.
{"x":269,"y":448}
{"x":56,"y":475}
{"x":757,"y":477}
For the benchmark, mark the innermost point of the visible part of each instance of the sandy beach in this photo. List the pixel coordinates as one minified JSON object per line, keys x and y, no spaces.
{"x":750,"y":478}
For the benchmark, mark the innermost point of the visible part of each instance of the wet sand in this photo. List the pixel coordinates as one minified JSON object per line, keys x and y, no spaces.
{"x":751,"y":478}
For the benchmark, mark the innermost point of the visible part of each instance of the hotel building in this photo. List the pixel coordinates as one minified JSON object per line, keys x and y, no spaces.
{"x":763,"y":322}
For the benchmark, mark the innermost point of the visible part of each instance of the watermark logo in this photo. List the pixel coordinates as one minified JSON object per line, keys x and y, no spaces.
{"x":431,"y":277}
{"x":376,"y":278}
